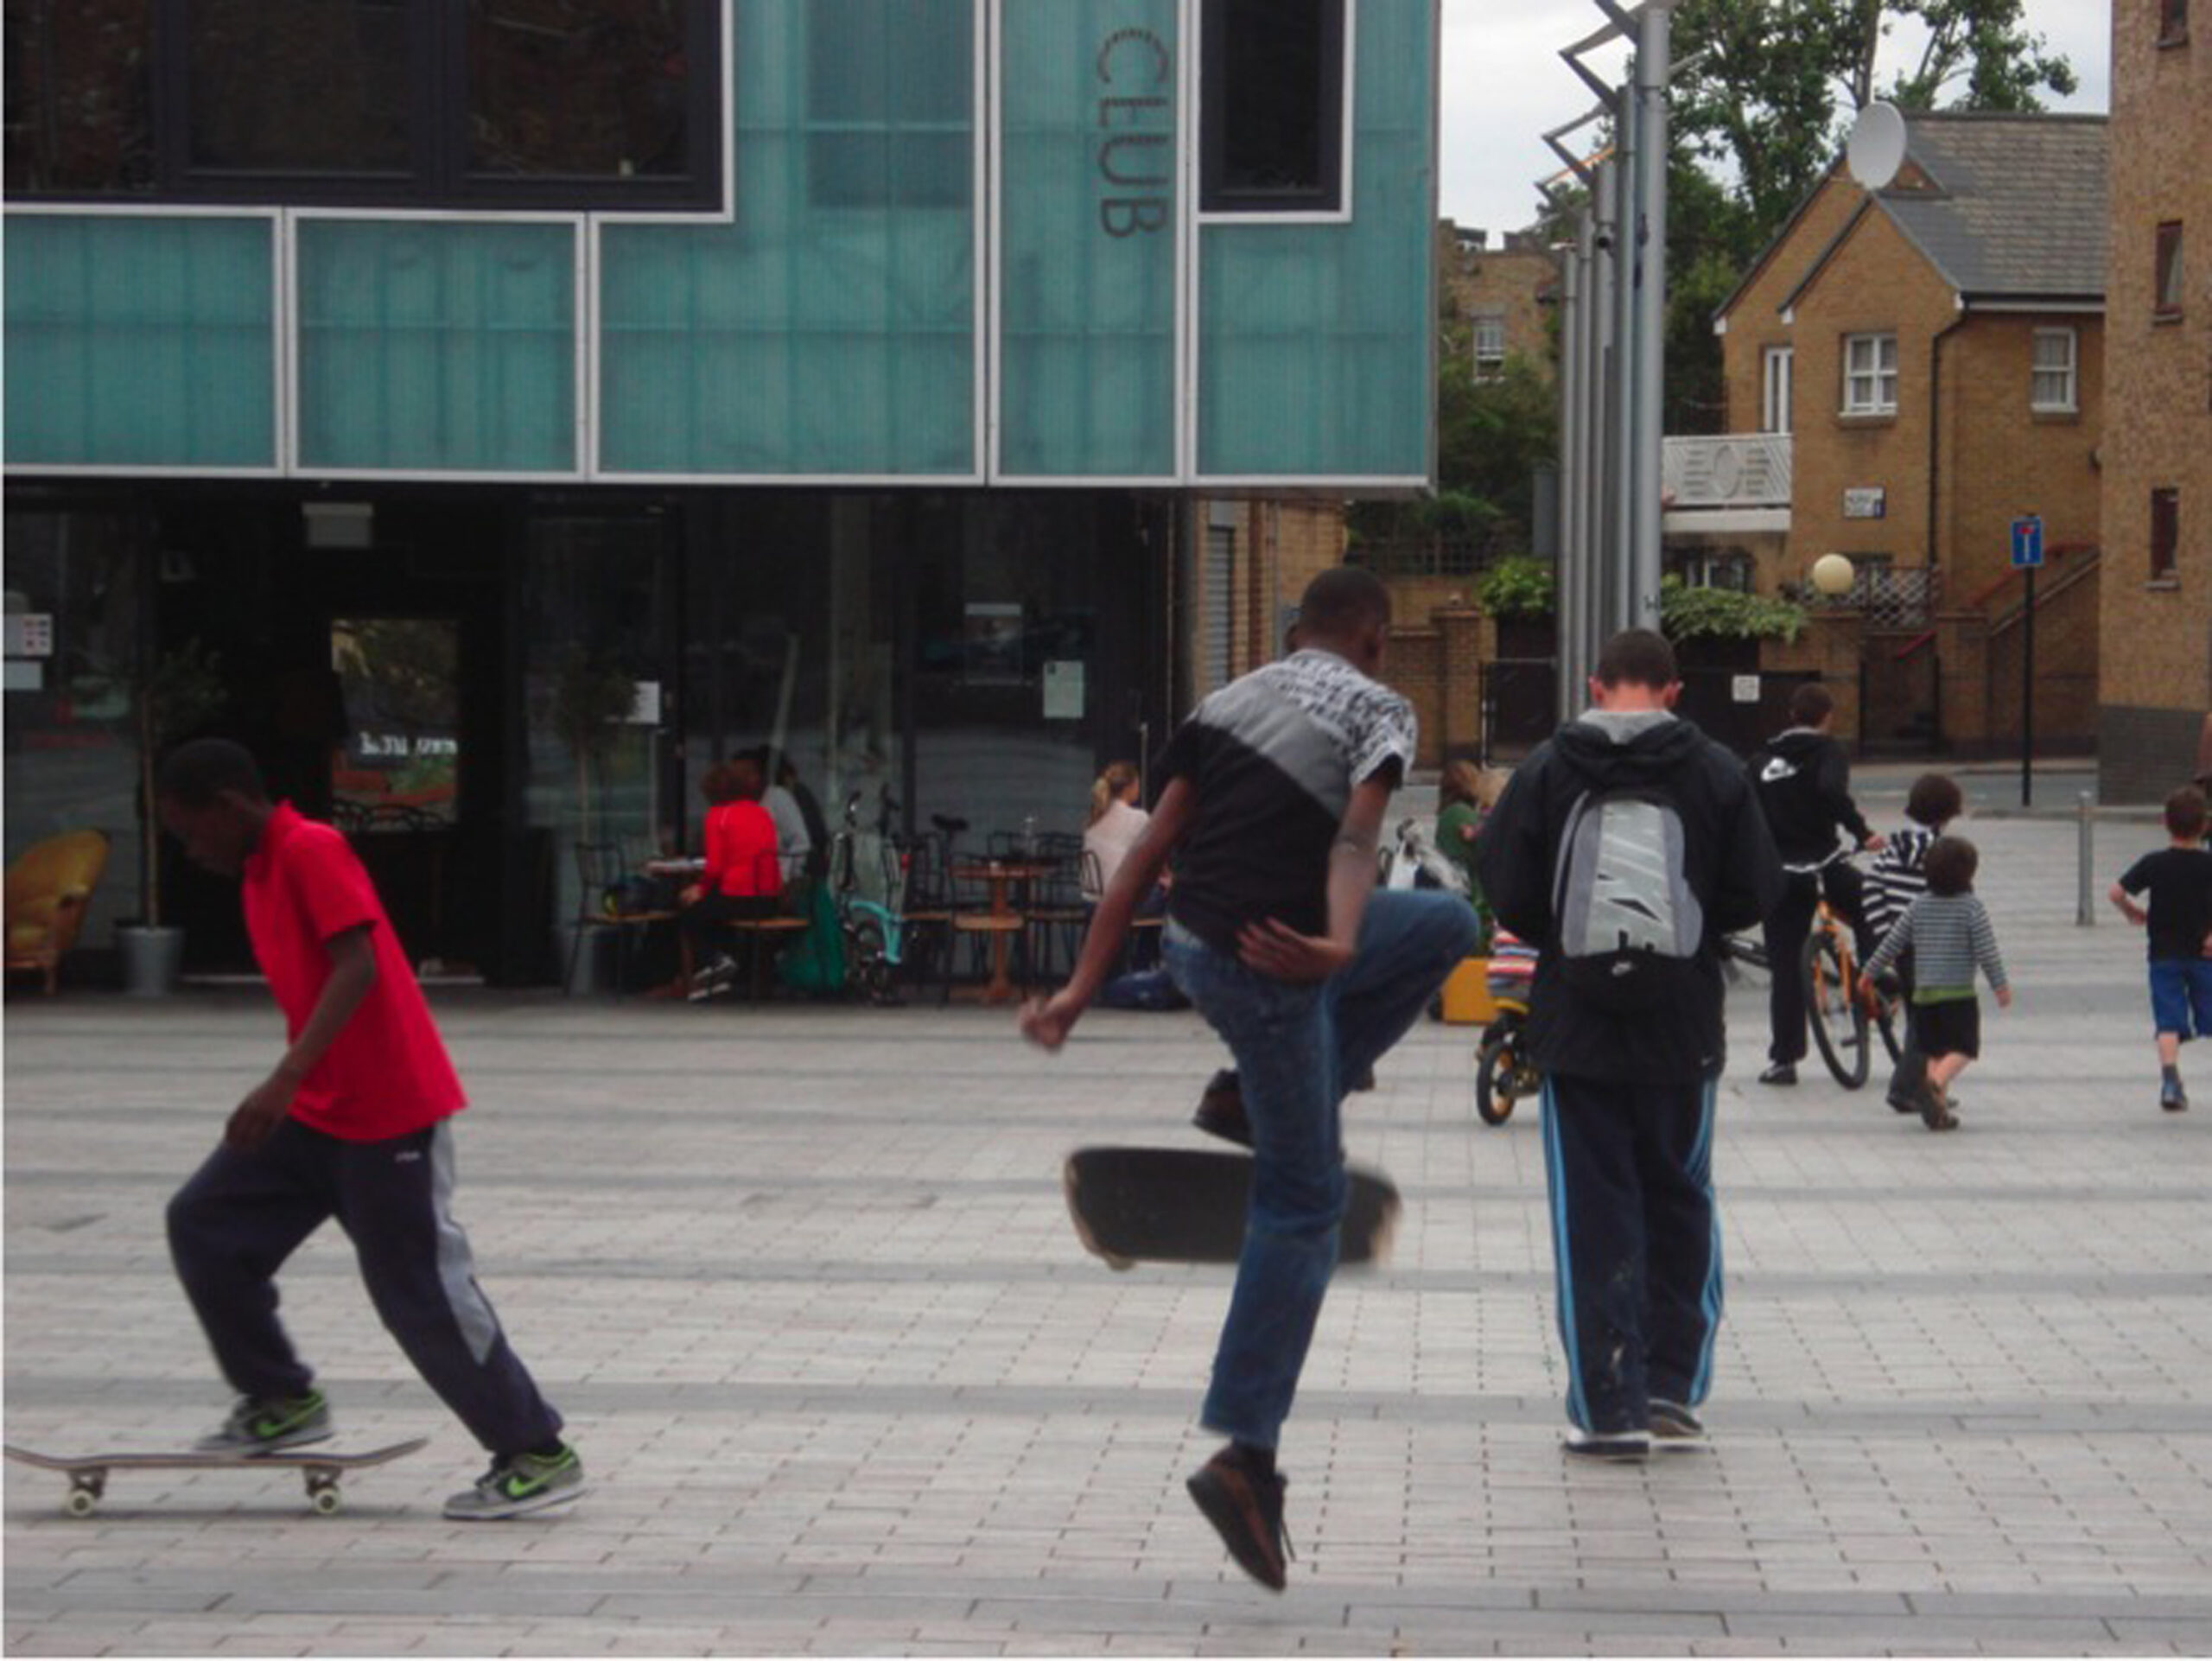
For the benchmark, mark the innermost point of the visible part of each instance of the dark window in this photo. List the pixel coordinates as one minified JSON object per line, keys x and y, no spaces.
{"x":2173,"y":21}
{"x":2167,"y":277}
{"x":2165,"y":533}
{"x":890,"y":122}
{"x":1271,"y":108}
{"x":556,"y":104}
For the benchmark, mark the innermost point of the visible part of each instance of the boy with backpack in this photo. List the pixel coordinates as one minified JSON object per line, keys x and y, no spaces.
{"x":1948,"y":931}
{"x":1626,"y":847}
{"x":2178,"y":880}
{"x":1893,"y":883}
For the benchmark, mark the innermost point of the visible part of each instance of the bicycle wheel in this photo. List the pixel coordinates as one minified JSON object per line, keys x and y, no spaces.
{"x":1498,"y":1073}
{"x":1837,"y":1012}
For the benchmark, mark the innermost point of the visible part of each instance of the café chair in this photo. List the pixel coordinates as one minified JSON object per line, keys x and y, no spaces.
{"x":612,"y":894}
{"x":49,"y":888}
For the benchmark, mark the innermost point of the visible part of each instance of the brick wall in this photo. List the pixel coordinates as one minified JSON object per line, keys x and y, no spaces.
{"x":1507,"y":281}
{"x":2156,"y":665}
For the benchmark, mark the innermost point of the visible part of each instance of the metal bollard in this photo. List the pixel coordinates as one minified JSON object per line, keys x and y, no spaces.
{"x":2085,"y":856}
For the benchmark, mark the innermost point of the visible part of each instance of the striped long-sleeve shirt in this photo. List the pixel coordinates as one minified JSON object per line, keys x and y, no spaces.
{"x":1896,"y":879}
{"x":1949,"y":937}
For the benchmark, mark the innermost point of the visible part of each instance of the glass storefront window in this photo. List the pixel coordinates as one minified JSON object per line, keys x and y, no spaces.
{"x":71,"y":753}
{"x":400,"y":766}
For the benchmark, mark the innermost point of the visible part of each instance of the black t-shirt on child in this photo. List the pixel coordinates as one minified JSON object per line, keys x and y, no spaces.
{"x":2180,"y":884}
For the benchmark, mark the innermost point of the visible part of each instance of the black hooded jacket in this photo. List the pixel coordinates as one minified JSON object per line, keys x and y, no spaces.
{"x":1803,"y":781}
{"x":1731,"y":867}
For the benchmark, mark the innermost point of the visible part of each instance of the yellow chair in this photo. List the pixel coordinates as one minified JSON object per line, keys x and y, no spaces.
{"x":49,"y":887}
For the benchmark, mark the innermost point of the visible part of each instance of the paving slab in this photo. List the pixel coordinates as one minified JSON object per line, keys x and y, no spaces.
{"x":801,"y":1279}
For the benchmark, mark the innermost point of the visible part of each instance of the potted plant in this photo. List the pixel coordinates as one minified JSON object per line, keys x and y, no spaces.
{"x":176,"y":693}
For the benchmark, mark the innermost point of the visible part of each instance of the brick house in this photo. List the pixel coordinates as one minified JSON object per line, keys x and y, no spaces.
{"x":1907,"y":370}
{"x":2155,"y":670}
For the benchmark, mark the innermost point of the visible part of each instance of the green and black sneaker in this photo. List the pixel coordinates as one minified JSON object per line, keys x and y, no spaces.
{"x":269,"y":1426}
{"x":518,"y":1484}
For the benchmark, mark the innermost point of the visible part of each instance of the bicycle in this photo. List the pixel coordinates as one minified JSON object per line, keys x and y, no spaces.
{"x":1503,"y":1073}
{"x":874,"y":938}
{"x":1839,"y":1012}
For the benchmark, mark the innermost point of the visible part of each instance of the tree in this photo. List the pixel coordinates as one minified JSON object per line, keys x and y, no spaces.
{"x":1772,"y":84}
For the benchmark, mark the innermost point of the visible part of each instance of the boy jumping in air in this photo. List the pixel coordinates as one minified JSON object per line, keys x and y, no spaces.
{"x":2178,"y":880}
{"x":351,"y":1124}
{"x":1276,"y":789}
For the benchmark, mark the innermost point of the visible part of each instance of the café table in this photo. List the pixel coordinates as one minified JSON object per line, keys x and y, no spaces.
{"x":1003,"y":876}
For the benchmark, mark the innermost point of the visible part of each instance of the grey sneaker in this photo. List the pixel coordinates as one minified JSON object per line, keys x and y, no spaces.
{"x":2172,"y":1096}
{"x":518,"y":1484}
{"x":269,"y":1426}
{"x":717,"y":975}
{"x":1675,"y":1428}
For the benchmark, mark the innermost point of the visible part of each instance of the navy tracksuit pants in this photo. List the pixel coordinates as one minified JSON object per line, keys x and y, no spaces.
{"x":1637,"y":1244}
{"x":234,"y":1224}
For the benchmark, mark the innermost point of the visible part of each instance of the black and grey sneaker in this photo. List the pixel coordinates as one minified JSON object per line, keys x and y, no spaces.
{"x":1221,"y":1109}
{"x":1782,"y":1072}
{"x":716,"y":975}
{"x":1618,"y":1447}
{"x":2172,"y":1096}
{"x":1675,"y":1428}
{"x":256,"y":1426}
{"x":1244,"y":1505}
{"x":518,"y":1484}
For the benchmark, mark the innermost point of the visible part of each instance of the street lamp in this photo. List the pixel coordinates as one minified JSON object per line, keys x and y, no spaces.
{"x":1833,"y":574}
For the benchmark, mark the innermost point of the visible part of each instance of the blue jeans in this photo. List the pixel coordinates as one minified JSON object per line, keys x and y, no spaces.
{"x":1295,"y":1045}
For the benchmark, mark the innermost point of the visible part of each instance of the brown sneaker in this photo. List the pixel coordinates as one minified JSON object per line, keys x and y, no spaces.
{"x":1245,"y":1507}
{"x":1935,"y":1107}
{"x":1221,"y":1109}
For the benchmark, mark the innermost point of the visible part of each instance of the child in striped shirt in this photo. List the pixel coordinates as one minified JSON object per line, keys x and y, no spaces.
{"x":1893,"y":883}
{"x":1948,"y":931}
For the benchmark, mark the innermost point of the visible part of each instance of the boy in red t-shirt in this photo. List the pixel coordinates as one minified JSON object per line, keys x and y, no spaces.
{"x":351,"y":1125}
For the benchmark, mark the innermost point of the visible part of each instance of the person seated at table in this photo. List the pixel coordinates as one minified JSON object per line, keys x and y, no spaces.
{"x":743,"y":876}
{"x":1116,"y":822}
{"x":794,"y":836}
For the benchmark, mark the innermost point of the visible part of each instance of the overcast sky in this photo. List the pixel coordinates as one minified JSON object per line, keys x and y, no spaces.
{"x":1505,"y":85}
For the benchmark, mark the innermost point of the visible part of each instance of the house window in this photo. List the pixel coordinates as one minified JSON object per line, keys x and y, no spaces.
{"x":1870,"y":374}
{"x":1489,"y":343}
{"x":1271,"y":106}
{"x":2165,"y":302}
{"x":1777,"y":366}
{"x":565,"y":103}
{"x":2054,"y":384}
{"x":2173,"y":21}
{"x":2166,"y":533}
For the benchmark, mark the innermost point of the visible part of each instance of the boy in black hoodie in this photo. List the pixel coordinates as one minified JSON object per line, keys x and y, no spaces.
{"x":1628,"y":1097}
{"x":1803,"y":781}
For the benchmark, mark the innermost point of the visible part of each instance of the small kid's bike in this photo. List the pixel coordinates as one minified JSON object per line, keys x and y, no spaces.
{"x":1503,"y":1073}
{"x":875,"y":937}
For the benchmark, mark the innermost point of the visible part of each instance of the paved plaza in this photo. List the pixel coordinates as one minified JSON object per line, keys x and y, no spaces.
{"x":802,"y":1279}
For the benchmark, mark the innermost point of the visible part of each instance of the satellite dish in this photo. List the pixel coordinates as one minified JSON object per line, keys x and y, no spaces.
{"x":1876,"y":148}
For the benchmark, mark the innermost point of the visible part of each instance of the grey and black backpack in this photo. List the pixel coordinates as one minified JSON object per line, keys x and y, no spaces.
{"x":1629,"y":927}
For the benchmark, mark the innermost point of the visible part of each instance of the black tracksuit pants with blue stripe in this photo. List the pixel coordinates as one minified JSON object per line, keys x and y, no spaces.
{"x":1637,"y":1243}
{"x":234,"y":1224}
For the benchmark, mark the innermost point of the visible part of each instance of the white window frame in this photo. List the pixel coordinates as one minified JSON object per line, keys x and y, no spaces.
{"x":1778,"y":375}
{"x":2054,"y":388}
{"x":1870,"y":374}
{"x":1488,"y":328}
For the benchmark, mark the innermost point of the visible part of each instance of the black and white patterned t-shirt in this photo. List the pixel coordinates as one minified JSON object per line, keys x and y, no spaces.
{"x":1273,"y":758}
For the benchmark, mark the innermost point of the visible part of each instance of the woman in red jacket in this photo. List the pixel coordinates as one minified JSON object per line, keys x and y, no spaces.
{"x":743,"y":877}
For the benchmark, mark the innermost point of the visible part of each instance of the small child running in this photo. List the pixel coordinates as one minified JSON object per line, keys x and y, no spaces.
{"x":1948,"y":931}
{"x":1893,"y":883}
{"x":2178,"y":879}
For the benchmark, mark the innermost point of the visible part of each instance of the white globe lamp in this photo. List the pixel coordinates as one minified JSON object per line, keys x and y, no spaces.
{"x":1833,"y":574}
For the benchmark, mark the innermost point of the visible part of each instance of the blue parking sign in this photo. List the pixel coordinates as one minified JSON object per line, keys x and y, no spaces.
{"x":2027,"y":543}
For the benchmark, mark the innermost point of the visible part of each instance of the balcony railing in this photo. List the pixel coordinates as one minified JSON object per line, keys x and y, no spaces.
{"x":1731,"y":470}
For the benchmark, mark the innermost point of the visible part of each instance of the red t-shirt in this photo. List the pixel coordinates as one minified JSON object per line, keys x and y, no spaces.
{"x":387,"y":1074}
{"x":740,"y":851}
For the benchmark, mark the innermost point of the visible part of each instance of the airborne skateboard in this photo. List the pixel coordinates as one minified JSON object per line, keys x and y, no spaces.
{"x":1187,"y":1205}
{"x":321,"y":1471}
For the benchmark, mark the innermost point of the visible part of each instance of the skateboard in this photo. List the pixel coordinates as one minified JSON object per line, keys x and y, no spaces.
{"x":1187,"y":1205}
{"x":321,"y":1471}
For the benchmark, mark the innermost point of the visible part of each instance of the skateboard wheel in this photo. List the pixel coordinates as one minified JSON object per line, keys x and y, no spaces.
{"x":327,"y":1501}
{"x":81,"y":1502}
